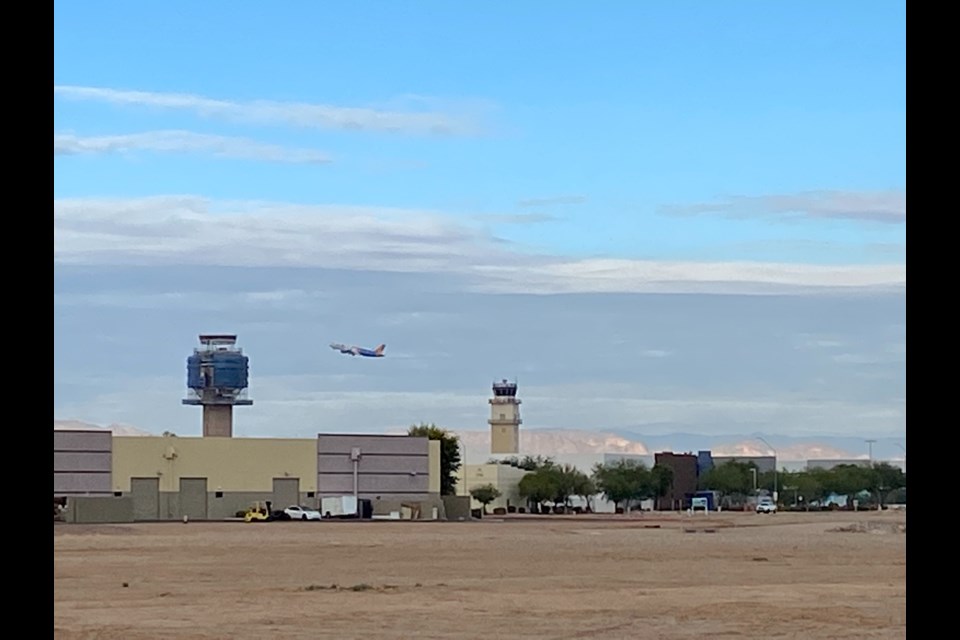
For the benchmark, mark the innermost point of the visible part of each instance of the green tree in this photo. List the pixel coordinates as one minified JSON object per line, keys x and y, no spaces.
{"x":887,"y":479}
{"x":583,"y":486}
{"x":485,"y":494}
{"x":661,"y":477}
{"x":565,"y":478}
{"x":731,"y":478}
{"x":538,"y":487}
{"x":449,"y":454}
{"x":623,"y":481}
{"x":851,"y":479}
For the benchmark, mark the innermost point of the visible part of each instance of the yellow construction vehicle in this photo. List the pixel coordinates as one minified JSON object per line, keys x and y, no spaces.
{"x":257,"y":513}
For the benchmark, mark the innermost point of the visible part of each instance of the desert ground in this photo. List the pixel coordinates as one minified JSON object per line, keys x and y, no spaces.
{"x":736,"y":575}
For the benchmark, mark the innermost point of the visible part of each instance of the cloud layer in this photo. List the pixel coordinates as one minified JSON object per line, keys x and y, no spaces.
{"x":175,"y":141}
{"x":879,"y":206}
{"x":196,"y":231}
{"x":296,"y":114}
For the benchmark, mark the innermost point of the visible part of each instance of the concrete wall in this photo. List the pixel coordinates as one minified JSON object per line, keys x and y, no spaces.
{"x":235,"y":465}
{"x":425,"y":503}
{"x":172,"y":507}
{"x":88,"y":509}
{"x":457,"y":507}
{"x":389,"y":465}
{"x":82,"y":463}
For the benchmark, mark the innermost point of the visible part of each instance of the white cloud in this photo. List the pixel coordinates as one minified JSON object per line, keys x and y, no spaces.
{"x":649,"y":276}
{"x":297,"y":114}
{"x":183,"y":142}
{"x":875,"y":206}
{"x":187,"y":230}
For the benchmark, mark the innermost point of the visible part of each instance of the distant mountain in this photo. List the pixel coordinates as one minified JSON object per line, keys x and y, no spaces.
{"x":550,"y":442}
{"x":572,"y":442}
{"x":557,"y":442}
{"x":116,"y":429}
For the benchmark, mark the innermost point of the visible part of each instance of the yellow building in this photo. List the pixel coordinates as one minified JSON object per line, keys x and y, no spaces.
{"x":504,"y":477}
{"x":206,"y":478}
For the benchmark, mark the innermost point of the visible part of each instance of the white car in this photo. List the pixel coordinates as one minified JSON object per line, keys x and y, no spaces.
{"x":302,"y":513}
{"x":766,"y":505}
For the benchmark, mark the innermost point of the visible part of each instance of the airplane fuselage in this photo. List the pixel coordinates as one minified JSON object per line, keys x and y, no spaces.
{"x":359,"y":351}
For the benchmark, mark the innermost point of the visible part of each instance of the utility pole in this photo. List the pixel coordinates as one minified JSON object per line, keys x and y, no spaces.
{"x":775,"y":492}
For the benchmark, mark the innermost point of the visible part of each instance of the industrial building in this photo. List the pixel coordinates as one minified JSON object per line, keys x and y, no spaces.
{"x":684,"y":482}
{"x":107,"y":478}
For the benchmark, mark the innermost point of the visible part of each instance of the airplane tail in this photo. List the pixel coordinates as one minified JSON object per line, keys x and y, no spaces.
{"x":379,"y":349}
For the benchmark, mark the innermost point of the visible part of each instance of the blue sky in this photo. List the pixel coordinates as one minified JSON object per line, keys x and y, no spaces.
{"x":685,"y":148}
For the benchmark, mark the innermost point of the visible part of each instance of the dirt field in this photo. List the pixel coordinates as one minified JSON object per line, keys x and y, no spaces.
{"x":753,"y":576}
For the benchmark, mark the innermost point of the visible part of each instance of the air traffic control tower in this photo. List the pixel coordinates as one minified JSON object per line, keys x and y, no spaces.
{"x":217,"y":374}
{"x":504,"y":418}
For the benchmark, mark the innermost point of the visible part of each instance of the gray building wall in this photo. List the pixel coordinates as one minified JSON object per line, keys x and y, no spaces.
{"x":82,"y":463}
{"x":90,"y":509}
{"x":390,"y":467}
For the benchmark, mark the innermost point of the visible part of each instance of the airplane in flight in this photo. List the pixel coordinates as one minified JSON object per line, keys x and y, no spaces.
{"x":359,"y":351}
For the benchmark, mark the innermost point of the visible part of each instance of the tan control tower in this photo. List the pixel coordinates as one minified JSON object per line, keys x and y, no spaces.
{"x":504,"y":418}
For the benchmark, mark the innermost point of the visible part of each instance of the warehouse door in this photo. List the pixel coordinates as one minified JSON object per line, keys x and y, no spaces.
{"x":146,"y":498}
{"x":193,"y":498}
{"x":286,"y":492}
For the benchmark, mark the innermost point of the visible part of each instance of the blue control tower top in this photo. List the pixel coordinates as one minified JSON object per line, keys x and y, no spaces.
{"x":217,"y":372}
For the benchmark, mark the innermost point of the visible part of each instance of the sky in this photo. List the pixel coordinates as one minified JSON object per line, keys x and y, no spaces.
{"x":662,"y":216}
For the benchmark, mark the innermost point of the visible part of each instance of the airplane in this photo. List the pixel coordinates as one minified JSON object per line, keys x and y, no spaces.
{"x":359,"y":351}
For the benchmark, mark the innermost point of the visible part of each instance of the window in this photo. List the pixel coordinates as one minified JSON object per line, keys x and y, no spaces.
{"x":118,"y":494}
{"x":311,"y":494}
{"x":219,"y":494}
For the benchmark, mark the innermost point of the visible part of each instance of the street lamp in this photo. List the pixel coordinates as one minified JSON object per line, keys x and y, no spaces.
{"x":463,"y":466}
{"x":760,"y":438}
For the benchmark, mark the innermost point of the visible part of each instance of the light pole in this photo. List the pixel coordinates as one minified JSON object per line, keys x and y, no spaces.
{"x":754,"y":471}
{"x":775,"y":493}
{"x":463,"y":467}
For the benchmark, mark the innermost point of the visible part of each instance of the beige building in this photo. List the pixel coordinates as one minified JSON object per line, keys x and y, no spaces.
{"x":504,"y":477}
{"x":211,"y":478}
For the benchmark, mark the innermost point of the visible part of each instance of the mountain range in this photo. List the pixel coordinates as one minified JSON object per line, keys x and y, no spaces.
{"x":561,"y":442}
